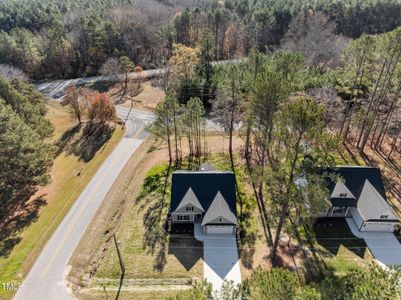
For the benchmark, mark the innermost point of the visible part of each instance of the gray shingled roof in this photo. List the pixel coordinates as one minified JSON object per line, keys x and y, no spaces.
{"x":205,"y":186}
{"x":190,"y":198}
{"x":219,"y":208}
{"x":354,"y":178}
{"x":371,"y":204}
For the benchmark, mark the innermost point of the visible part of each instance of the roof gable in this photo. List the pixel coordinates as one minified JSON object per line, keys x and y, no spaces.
{"x":190,"y":198}
{"x":354,"y":178}
{"x":219,"y":208}
{"x":372,"y":205}
{"x":340,"y":190}
{"x":205,"y":186}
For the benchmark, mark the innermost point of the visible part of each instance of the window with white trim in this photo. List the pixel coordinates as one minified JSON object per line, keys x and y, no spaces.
{"x":220,"y":220}
{"x":383,"y":217}
{"x":189,"y":208}
{"x":183,"y":218}
{"x":343,"y":195}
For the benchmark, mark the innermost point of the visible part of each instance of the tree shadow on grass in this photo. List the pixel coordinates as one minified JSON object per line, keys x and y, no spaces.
{"x":248,"y":236}
{"x":16,"y":217}
{"x":84,"y":141}
{"x":153,"y":199}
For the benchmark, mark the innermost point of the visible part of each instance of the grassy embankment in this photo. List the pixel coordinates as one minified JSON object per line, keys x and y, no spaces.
{"x":69,"y":176}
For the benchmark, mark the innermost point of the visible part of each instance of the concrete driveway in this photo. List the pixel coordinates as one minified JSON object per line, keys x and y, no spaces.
{"x":384,"y":245}
{"x":220,"y":258}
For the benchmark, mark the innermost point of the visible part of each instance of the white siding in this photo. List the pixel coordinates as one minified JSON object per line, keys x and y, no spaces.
{"x":183,"y":210}
{"x":216,"y":221}
{"x":174,"y":217}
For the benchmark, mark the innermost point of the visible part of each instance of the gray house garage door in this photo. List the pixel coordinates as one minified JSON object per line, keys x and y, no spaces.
{"x":378,"y":226}
{"x":223,"y":229}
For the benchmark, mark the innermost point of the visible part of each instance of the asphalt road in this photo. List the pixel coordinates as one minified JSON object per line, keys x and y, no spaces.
{"x":46,"y":281}
{"x":55,"y":88}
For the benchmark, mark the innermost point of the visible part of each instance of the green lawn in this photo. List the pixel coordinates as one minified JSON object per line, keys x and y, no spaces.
{"x":148,"y":251}
{"x":340,"y":249}
{"x":69,"y":176}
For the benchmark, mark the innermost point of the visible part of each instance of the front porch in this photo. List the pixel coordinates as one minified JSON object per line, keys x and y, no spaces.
{"x":338,"y":212}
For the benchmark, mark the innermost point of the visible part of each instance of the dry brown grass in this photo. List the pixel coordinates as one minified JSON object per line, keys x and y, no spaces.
{"x":147,"y":99}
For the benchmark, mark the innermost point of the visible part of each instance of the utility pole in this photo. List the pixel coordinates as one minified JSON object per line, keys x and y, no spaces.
{"x":120,"y":258}
{"x":122,"y":266}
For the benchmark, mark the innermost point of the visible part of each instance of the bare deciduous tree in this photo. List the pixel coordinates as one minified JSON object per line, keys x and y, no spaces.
{"x":313,"y":35}
{"x":10,"y":72}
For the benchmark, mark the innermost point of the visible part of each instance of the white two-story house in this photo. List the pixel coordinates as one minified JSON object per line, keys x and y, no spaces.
{"x":206,"y":197}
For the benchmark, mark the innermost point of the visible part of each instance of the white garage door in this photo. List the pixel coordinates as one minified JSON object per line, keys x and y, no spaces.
{"x":378,"y":226}
{"x":220,"y":229}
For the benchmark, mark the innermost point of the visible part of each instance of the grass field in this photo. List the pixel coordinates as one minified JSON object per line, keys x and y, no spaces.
{"x":148,"y":98}
{"x":69,"y":176}
{"x":148,"y":250}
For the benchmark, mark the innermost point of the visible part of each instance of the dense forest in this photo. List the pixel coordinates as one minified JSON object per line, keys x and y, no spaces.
{"x":63,"y":39}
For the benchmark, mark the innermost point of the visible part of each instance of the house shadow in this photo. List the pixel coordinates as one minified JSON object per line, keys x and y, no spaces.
{"x":186,"y":249}
{"x":84,"y":141}
{"x":23,"y":212}
{"x":332,"y":233}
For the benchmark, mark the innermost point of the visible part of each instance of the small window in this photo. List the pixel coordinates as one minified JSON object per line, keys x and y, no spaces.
{"x":220,"y":220}
{"x":383,"y":216}
{"x":189,"y":208}
{"x":343,"y":195}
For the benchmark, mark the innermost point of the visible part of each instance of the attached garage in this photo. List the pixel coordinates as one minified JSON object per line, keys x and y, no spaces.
{"x":219,"y":229}
{"x":378,"y":226}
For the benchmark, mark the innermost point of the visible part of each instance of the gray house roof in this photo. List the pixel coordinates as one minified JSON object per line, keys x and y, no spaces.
{"x":205,"y":185}
{"x":219,"y":208}
{"x":353,"y":177}
{"x":372,"y":205}
{"x":190,"y":198}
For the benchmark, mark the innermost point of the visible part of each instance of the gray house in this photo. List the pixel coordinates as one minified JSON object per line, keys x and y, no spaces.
{"x":206,"y":197}
{"x":358,"y":193}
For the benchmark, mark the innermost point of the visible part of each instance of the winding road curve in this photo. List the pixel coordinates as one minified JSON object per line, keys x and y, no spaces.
{"x":46,"y":280}
{"x":55,"y":89}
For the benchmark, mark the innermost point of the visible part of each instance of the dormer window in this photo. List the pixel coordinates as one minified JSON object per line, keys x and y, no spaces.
{"x":220,"y":220}
{"x":383,"y":217}
{"x":189,"y":208}
{"x":343,"y":195}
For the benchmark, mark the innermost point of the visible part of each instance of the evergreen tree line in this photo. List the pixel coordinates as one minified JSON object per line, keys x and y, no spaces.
{"x":25,"y":153}
{"x":64,"y":39}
